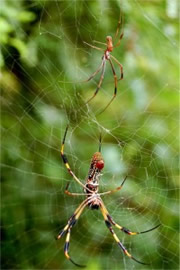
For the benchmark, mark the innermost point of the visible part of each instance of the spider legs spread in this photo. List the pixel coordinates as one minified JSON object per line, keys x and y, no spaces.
{"x":72,"y":220}
{"x":109,"y":221}
{"x":108,"y":224}
{"x":67,"y":229}
{"x":127,"y":231}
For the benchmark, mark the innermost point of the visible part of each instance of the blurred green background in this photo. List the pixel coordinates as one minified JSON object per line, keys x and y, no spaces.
{"x":42,"y":51}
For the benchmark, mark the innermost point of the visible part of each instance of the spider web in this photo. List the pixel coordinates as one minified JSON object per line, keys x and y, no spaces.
{"x":139,"y":133}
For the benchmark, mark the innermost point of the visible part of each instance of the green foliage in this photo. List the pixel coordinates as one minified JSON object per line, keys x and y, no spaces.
{"x":42,"y":51}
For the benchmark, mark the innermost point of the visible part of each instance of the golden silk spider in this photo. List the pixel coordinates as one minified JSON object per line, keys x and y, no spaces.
{"x":107,"y":57}
{"x":93,"y":201}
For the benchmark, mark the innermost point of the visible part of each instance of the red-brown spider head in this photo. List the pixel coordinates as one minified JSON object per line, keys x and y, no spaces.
{"x":98,"y":161}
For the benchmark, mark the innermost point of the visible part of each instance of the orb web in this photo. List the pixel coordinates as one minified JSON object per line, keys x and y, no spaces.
{"x":44,"y":91}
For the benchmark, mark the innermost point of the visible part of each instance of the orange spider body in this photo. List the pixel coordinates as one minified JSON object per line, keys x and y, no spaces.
{"x":109,"y":44}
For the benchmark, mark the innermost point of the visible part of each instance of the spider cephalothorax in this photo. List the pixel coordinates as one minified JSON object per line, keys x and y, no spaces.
{"x":94,"y":201}
{"x":97,"y":164}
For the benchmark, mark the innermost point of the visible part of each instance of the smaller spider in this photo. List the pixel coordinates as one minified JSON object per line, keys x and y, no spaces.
{"x":107,"y":57}
{"x":93,"y":201}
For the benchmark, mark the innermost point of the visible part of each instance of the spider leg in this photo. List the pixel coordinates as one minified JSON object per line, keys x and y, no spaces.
{"x":123,"y":229}
{"x":117,"y":32}
{"x":119,"y":64}
{"x":108,"y":224}
{"x":94,"y":47}
{"x":73,"y":219}
{"x":98,"y":42}
{"x":114,"y":190}
{"x":65,"y":160}
{"x":67,"y":192}
{"x":119,"y":41}
{"x":118,"y":26}
{"x":91,"y":77}
{"x":127,"y":231}
{"x":100,"y":81}
{"x":66,"y":249}
{"x":115,"y":88}
{"x":96,"y":72}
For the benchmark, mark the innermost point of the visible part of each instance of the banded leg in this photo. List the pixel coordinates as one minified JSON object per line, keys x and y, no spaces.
{"x":100,"y":82}
{"x":123,"y":229}
{"x":127,"y":231}
{"x":65,"y":160}
{"x":108,"y":224}
{"x":66,"y":249}
{"x":121,"y":67}
{"x":73,"y":219}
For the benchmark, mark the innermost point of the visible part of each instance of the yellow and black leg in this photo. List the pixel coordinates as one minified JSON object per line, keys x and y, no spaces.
{"x":72,"y":220}
{"x":127,"y":231}
{"x":108,"y":224}
{"x":65,"y":160}
{"x":67,"y":229}
{"x":66,"y":249}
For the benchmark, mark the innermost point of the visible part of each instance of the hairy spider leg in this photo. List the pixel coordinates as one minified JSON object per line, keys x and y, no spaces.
{"x":108,"y":224}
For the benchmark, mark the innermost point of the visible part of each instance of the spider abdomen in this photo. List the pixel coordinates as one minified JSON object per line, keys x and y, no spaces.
{"x":93,"y":206}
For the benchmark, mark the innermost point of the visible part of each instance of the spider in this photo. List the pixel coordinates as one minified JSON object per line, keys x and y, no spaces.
{"x":93,"y":201}
{"x":107,"y":57}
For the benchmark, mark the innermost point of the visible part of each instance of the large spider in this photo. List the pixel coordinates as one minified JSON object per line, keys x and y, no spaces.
{"x":93,"y":201}
{"x":107,"y":57}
